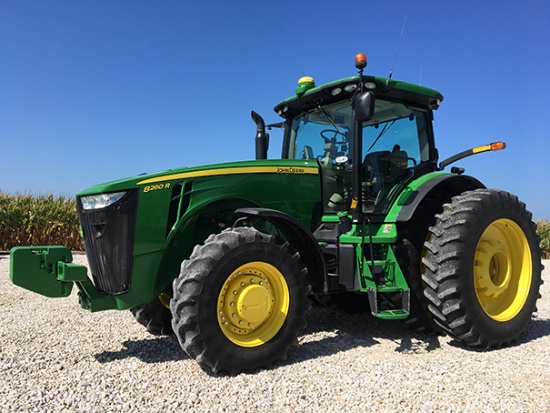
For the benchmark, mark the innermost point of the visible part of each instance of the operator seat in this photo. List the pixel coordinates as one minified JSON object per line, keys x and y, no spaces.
{"x":307,"y":153}
{"x":399,"y":162}
{"x":375,"y":171}
{"x":376,"y":165}
{"x":381,"y":170}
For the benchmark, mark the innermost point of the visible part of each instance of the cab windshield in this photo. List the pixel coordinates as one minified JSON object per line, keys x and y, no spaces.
{"x":322,"y":134}
{"x":395,"y":142}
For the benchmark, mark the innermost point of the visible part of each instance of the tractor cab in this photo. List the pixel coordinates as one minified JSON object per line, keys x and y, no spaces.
{"x":396,"y":146}
{"x":373,"y":158}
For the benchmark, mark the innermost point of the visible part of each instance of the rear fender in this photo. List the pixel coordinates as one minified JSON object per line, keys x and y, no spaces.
{"x":407,"y":203}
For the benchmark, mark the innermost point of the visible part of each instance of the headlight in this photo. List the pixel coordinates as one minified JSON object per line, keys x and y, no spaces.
{"x":100,"y":201}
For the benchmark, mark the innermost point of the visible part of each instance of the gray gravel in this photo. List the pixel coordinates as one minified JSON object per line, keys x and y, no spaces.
{"x":56,"y":357}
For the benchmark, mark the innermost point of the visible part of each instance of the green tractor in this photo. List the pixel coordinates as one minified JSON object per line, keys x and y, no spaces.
{"x":357,"y":211}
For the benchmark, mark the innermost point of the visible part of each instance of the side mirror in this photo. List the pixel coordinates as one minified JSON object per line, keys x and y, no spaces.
{"x":363,"y":106}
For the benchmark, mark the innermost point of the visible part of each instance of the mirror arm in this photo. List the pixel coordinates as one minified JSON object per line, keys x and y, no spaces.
{"x":495,"y":146}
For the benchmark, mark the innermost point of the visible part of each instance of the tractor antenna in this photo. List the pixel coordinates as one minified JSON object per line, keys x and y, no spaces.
{"x":397,"y":49}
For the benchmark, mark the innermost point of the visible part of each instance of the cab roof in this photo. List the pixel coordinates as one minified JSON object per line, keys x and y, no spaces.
{"x":343,"y":89}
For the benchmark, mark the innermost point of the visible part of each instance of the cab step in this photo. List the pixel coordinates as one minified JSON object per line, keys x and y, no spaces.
{"x":392,"y":314}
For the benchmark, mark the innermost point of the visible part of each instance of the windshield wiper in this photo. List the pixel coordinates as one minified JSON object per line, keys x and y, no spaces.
{"x":386,"y":127}
{"x":329,"y":118}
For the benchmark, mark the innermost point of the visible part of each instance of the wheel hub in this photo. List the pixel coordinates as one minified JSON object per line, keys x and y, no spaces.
{"x":502,"y":270}
{"x":492,"y":268}
{"x":252,"y":304}
{"x":245,"y":302}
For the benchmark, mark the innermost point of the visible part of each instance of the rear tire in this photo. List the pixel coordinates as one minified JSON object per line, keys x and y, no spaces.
{"x":483,"y":268}
{"x":240,"y":301}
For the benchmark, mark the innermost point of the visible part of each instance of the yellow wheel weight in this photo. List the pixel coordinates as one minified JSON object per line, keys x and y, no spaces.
{"x":253,"y":304}
{"x":502,"y":270}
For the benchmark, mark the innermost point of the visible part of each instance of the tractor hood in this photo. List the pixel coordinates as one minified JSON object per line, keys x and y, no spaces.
{"x":278,"y":166}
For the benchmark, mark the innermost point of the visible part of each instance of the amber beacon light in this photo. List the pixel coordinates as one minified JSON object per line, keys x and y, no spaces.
{"x":360,"y":61}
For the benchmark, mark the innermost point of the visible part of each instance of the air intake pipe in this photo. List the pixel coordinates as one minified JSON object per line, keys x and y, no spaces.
{"x":262,"y":138}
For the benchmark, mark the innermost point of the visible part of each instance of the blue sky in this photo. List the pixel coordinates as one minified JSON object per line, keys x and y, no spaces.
{"x":92,"y":91}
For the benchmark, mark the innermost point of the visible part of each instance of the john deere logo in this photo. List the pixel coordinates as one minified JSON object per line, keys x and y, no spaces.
{"x":289,"y":170}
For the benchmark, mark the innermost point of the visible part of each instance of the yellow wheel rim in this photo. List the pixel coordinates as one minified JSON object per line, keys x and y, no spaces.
{"x":165,"y":298}
{"x":502,"y":270}
{"x":253,"y":304}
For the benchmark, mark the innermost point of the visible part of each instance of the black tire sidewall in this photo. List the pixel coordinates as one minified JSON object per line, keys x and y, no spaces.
{"x":488,"y":327}
{"x":230,"y":354}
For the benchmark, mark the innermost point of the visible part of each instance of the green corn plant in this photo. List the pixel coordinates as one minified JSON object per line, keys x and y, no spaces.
{"x":543,"y":231}
{"x":38,"y":220}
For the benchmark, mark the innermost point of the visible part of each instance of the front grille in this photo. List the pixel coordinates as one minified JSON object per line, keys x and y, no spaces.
{"x":109,"y":239}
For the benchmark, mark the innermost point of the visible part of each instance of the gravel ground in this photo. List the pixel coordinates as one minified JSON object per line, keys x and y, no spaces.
{"x":56,"y":357}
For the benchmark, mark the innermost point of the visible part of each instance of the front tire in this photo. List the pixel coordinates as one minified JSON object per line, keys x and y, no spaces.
{"x":240,"y":301}
{"x":483,"y":268}
{"x":154,"y":316}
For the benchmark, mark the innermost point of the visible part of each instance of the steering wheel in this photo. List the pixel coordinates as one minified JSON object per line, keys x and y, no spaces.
{"x":336,"y":133}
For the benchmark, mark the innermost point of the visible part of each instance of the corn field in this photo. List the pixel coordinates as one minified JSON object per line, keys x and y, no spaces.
{"x":543,"y":229}
{"x":38,"y":220}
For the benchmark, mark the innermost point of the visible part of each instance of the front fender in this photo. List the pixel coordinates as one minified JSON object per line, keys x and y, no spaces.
{"x":192,"y":229}
{"x":301,"y":239}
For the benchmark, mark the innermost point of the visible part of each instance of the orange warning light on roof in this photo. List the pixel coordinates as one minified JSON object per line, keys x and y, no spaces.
{"x":360,"y":61}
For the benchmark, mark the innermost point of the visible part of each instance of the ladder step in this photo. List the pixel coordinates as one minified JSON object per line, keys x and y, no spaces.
{"x":390,"y":289}
{"x":398,"y":314}
{"x":393,"y":314}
